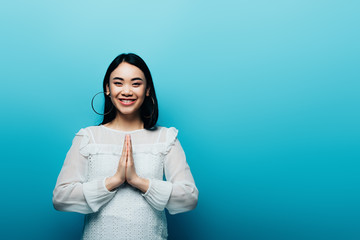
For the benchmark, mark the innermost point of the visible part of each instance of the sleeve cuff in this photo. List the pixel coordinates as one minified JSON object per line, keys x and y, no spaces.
{"x":158,"y":193}
{"x":96,"y":193}
{"x":147,"y":192}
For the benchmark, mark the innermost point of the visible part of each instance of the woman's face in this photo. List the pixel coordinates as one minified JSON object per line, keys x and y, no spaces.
{"x":127,"y":88}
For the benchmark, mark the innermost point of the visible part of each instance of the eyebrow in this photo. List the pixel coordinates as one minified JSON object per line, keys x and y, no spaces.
{"x":133,"y":79}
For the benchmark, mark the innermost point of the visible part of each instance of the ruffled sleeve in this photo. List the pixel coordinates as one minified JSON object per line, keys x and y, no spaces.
{"x":171,"y":137}
{"x":178,"y":193}
{"x":85,"y":140}
{"x":72,"y":193}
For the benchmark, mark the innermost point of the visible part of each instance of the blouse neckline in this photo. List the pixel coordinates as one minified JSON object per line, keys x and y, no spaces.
{"x":121,"y":131}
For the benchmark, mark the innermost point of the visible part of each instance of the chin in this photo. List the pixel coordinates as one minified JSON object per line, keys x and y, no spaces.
{"x":127,"y":112}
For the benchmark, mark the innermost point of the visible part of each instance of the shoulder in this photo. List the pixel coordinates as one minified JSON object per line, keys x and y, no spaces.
{"x":168,"y":130}
{"x":87,"y":130}
{"x":169,"y":137}
{"x":165,"y":128}
{"x":169,"y":134}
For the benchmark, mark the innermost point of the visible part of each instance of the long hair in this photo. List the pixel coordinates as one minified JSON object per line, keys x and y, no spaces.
{"x":148,"y":105}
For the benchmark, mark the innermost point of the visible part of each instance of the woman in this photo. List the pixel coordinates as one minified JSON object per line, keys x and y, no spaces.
{"x":114,"y":172}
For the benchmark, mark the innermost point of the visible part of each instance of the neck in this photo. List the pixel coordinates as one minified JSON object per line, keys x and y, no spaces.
{"x":126,"y":122}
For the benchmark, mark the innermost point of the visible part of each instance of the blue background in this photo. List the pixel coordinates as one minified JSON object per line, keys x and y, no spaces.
{"x":265,"y":95}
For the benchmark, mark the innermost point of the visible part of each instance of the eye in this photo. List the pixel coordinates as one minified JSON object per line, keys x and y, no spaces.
{"x":117,"y":83}
{"x":137,"y":84}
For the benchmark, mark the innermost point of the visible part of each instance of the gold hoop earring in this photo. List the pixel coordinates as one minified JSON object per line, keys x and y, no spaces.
{"x":153,"y":108}
{"x":92,"y":104}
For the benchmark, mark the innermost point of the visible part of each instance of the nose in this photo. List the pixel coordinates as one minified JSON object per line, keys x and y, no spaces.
{"x":126,"y":90}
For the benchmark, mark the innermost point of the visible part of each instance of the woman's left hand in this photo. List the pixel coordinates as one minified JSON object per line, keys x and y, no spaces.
{"x":130,"y":174}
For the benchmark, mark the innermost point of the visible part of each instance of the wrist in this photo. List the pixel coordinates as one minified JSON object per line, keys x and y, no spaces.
{"x":134,"y":181}
{"x":118,"y":179}
{"x":140,"y":183}
{"x":109,"y":184}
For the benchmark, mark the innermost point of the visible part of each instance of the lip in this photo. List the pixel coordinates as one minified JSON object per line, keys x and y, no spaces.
{"x":127,"y":104}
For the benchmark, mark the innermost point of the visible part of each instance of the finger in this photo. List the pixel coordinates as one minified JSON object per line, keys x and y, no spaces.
{"x":124,"y":151}
{"x":127,"y":144}
{"x":130,"y":146}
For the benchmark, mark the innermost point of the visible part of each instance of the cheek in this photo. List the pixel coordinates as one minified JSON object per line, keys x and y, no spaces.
{"x":140,"y":92}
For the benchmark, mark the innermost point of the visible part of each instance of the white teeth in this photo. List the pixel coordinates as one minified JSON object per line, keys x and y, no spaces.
{"x":126,"y":101}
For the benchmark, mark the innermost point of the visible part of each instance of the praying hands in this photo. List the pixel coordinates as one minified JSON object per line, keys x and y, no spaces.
{"x":126,"y":170}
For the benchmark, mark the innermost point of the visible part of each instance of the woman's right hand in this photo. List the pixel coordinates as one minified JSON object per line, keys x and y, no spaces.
{"x":119,"y":177}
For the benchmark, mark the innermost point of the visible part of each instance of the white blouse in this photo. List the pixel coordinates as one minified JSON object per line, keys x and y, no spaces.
{"x":125,"y":212}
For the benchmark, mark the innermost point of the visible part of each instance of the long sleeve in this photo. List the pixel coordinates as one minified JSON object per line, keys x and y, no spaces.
{"x":72,"y":193}
{"x":178,"y":193}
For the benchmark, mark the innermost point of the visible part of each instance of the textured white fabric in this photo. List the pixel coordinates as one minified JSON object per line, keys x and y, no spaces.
{"x":126,"y":212}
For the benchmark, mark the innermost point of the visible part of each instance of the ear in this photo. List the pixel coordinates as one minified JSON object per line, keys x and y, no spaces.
{"x":107,"y":89}
{"x":148,"y":92}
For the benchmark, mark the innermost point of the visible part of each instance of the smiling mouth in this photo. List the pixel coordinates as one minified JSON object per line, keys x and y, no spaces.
{"x":127,"y":100}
